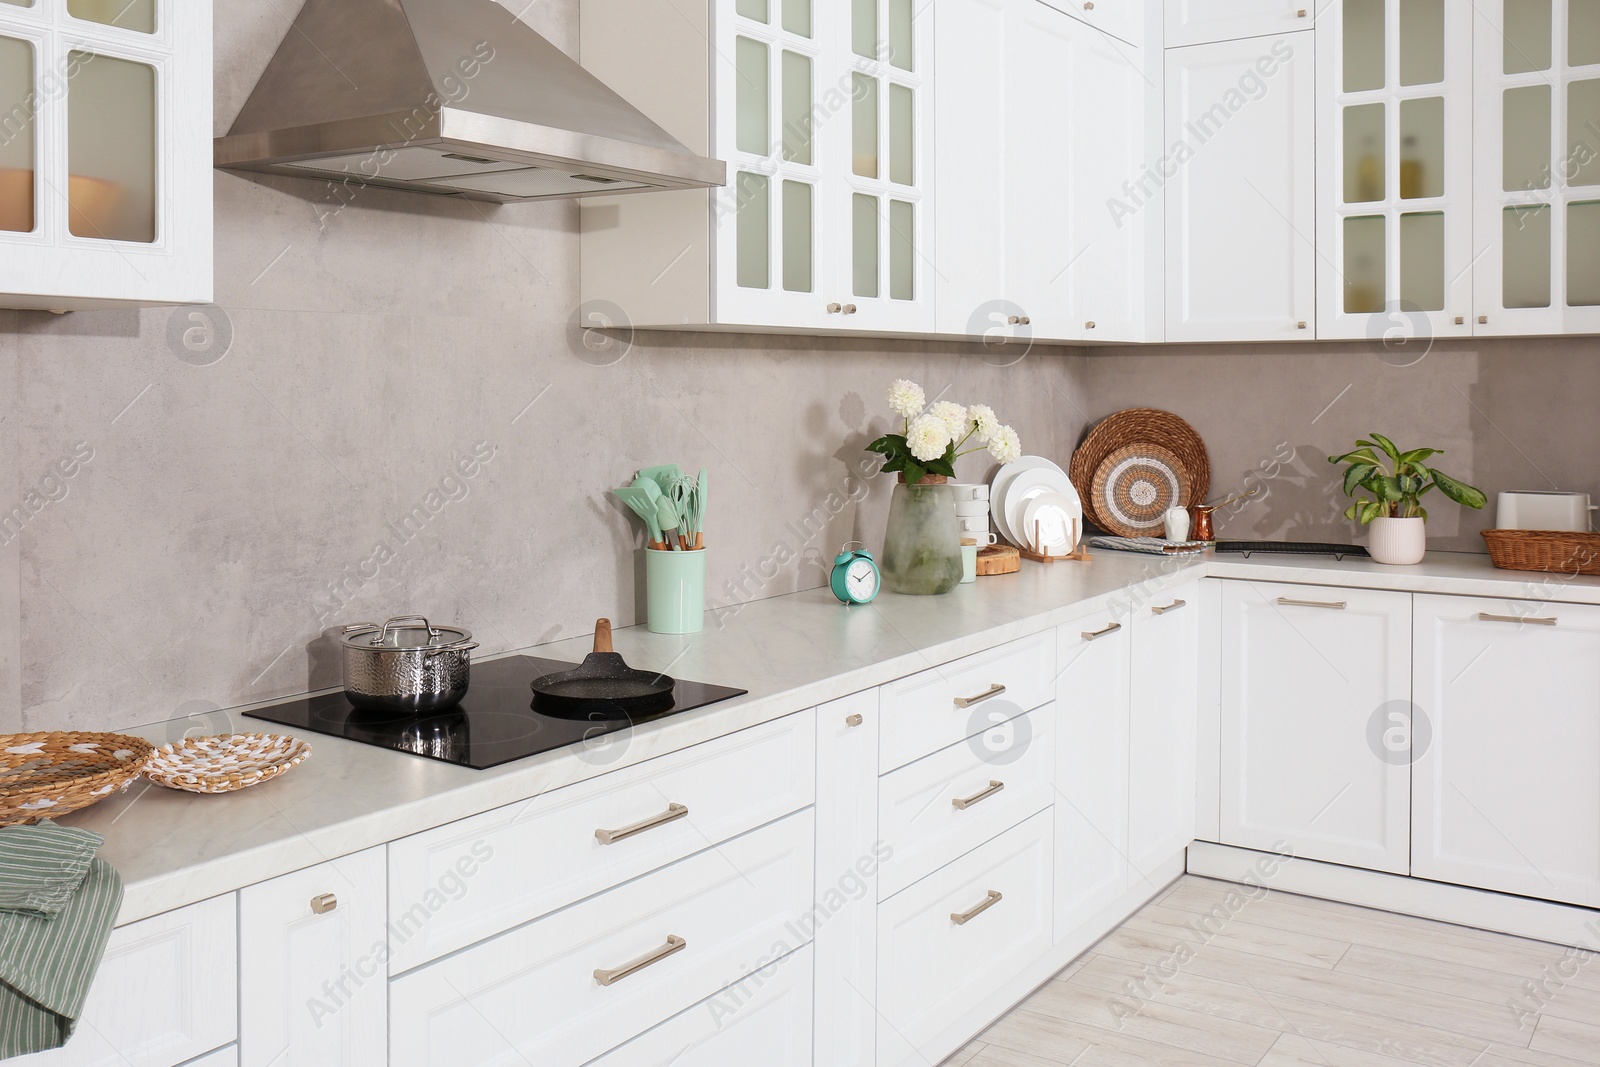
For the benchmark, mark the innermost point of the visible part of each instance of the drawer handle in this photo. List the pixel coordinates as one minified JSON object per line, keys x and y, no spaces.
{"x":1174,"y":606}
{"x":963,"y":803}
{"x":1090,"y":635}
{"x":962,"y":918}
{"x":1484,"y":616}
{"x":1334,"y":605}
{"x":675,"y":944}
{"x":993,"y":691}
{"x":673,"y":813}
{"x":853,"y":720}
{"x":323,"y":903}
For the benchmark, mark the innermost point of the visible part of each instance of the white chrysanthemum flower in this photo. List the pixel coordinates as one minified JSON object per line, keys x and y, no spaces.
{"x":927,"y":437}
{"x":1005,"y":446}
{"x":988,"y":425}
{"x":952,"y":415}
{"x":906,"y":398}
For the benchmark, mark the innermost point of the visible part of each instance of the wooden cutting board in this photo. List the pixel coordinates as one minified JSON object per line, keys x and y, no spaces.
{"x":998,"y":559}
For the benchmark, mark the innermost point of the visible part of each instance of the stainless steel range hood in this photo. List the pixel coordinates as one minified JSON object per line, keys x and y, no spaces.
{"x":455,"y":97}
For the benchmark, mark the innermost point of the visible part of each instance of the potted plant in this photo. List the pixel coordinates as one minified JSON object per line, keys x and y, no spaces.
{"x":1397,"y":481}
{"x":922,"y":542}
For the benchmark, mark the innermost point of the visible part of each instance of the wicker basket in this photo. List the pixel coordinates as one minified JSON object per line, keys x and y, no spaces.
{"x":1140,"y":426}
{"x":1557,"y":551}
{"x":226,"y":762}
{"x":44,"y":775}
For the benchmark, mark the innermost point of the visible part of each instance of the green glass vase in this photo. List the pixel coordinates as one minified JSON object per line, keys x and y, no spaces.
{"x":922,"y":543}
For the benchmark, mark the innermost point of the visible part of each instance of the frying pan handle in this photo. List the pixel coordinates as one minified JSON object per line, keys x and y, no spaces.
{"x":602,"y":636}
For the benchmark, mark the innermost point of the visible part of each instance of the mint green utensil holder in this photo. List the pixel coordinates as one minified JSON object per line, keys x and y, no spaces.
{"x":675,"y":591}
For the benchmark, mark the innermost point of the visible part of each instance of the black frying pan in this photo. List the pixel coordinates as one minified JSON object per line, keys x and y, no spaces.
{"x":603,"y":685}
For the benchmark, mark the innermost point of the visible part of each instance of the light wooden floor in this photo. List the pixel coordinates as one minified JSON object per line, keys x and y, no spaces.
{"x":1203,"y":975}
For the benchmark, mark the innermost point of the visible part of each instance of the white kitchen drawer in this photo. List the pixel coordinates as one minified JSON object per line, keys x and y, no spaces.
{"x":924,"y":712}
{"x":1123,"y":19}
{"x":166,"y":992}
{"x":1204,"y":21}
{"x":533,"y":995}
{"x":765,"y":1019}
{"x":1000,"y":777}
{"x":458,"y":884}
{"x":311,"y":976}
{"x":932,"y":969}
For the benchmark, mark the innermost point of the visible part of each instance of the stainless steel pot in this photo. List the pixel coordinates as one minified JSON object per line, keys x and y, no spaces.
{"x":406,"y":665}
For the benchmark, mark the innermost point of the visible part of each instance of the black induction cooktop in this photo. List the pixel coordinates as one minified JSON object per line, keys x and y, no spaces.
{"x":495,"y":724}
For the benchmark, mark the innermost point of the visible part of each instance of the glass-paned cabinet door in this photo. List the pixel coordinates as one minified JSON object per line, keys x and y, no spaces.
{"x":884,"y":205}
{"x":773,"y":53}
{"x":1537,"y":170}
{"x":105,"y":159}
{"x":1395,"y":221}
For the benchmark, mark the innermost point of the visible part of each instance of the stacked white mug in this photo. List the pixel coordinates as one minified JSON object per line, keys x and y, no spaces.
{"x":972,"y":511}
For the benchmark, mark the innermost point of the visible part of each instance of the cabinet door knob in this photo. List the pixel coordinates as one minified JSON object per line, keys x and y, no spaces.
{"x":1300,"y":14}
{"x":853,"y":720}
{"x":1088,"y":5}
{"x":849,"y":309}
{"x":834,"y":309}
{"x":1461,"y":320}
{"x":1483,"y":320}
{"x":1026,"y":321}
{"x":323,"y":903}
{"x":1089,"y":325}
{"x":1013,"y":320}
{"x":1300,"y":325}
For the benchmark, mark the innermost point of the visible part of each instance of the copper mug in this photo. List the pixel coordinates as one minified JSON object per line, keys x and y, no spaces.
{"x":1200,"y":524}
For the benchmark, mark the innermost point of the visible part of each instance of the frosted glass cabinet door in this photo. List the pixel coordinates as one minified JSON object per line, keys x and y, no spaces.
{"x":105,"y":163}
{"x":1536,"y":138}
{"x":1394,"y":169}
{"x":1246,"y":272}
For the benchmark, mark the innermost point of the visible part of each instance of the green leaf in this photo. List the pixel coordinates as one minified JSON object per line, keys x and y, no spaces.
{"x":1385,"y":444}
{"x":1417,"y":455}
{"x":1360,"y":455}
{"x":886,"y":444}
{"x":913,"y":472}
{"x":1388,"y":489}
{"x":1421,"y":512}
{"x":1460,"y":492}
{"x":1354,"y":509}
{"x":1371,"y":510}
{"x":1356,"y":476}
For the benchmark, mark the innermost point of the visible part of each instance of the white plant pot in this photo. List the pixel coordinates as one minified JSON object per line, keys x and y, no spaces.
{"x":1399,"y":542}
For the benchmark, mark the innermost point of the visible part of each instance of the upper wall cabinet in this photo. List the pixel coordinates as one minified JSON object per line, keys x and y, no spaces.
{"x":1536,"y":143}
{"x":1241,"y":133}
{"x":105,"y":153}
{"x":824,"y":116}
{"x":1394,"y":119}
{"x":1040,"y":122}
{"x":1203,"y":21}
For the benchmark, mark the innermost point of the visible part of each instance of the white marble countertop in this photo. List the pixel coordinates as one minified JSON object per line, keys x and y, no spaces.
{"x":792,"y":652}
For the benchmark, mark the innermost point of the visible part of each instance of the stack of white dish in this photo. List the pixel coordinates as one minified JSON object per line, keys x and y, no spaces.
{"x":1035,"y":506}
{"x":972,"y":511}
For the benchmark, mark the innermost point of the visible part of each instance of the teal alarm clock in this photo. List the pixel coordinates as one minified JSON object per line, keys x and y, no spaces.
{"x":855,"y":577}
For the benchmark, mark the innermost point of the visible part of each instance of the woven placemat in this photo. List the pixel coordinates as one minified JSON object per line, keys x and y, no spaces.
{"x":1135,"y":487}
{"x":224,"y":763}
{"x":43,"y":775}
{"x":1140,"y":426}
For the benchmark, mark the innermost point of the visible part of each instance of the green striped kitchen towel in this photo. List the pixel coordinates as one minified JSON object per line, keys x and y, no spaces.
{"x":41,"y":866}
{"x":47,"y":963}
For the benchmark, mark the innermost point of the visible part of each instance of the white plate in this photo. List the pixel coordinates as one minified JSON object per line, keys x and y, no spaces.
{"x":1002,"y":482}
{"x":1027,"y":485}
{"x":1060,"y":524}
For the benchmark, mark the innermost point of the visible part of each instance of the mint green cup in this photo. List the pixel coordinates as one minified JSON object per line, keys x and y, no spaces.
{"x":675,"y":591}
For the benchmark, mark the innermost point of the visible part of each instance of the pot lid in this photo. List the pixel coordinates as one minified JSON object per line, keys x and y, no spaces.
{"x":402,"y":632}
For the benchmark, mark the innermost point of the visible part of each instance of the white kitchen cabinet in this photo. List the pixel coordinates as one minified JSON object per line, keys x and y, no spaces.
{"x":824,"y":114}
{"x":573,"y":985}
{"x":764,"y":1018}
{"x":165,"y":992}
{"x":1123,"y":19}
{"x":1536,"y":151}
{"x":223,"y":1057}
{"x":1163,"y":714}
{"x":959,"y":935}
{"x":105,"y":162}
{"x":1394,"y":170}
{"x":1091,"y":845}
{"x":1204,"y":21}
{"x":312,"y":966}
{"x":1241,"y":204}
{"x":1507,"y":777}
{"x":849,"y":855}
{"x":1316,"y":686}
